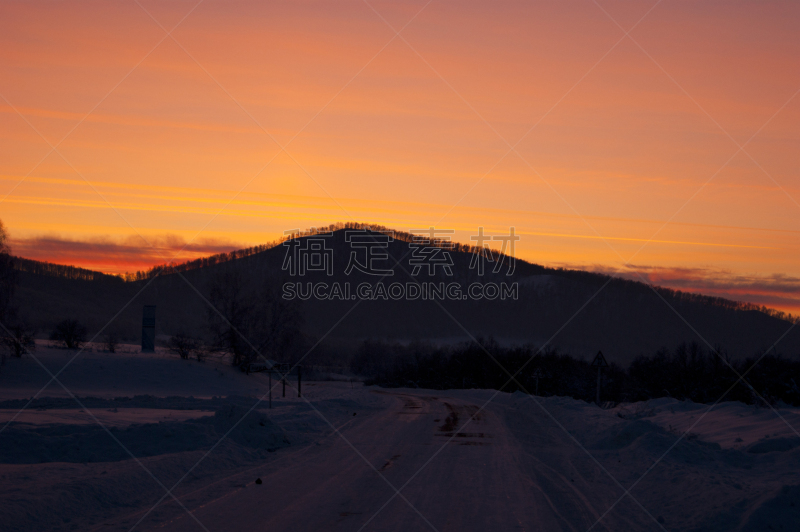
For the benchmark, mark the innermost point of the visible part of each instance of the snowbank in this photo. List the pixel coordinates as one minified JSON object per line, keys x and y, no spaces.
{"x":731,"y":425}
{"x":25,"y":443}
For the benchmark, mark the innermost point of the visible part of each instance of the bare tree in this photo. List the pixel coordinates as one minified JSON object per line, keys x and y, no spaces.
{"x":280,"y":325}
{"x":249,"y":321}
{"x":18,"y":339}
{"x":231,"y":318}
{"x":184,"y":346}
{"x":8,"y":278}
{"x":70,"y":334}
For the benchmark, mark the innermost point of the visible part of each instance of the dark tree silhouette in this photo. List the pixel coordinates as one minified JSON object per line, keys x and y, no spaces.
{"x":279,"y":325}
{"x":8,"y":279}
{"x":18,"y":339}
{"x":70,"y":334}
{"x":184,"y":346}
{"x":231,"y":318}
{"x":250,"y":322}
{"x":689,"y":372}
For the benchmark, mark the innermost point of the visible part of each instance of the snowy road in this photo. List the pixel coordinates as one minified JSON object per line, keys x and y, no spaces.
{"x":522,"y":463}
{"x":500,"y":472}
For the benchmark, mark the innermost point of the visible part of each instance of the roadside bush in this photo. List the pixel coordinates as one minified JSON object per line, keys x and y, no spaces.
{"x":70,"y":333}
{"x":185,"y":346}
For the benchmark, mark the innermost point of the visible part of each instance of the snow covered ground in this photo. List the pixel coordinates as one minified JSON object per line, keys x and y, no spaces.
{"x":731,"y":425}
{"x":158,"y":447}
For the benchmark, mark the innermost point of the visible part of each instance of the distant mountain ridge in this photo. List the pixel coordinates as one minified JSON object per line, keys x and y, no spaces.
{"x":75,"y":272}
{"x":577,"y":311}
{"x":51,"y":269}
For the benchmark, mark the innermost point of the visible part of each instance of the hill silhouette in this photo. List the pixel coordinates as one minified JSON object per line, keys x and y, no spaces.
{"x":578,"y":312}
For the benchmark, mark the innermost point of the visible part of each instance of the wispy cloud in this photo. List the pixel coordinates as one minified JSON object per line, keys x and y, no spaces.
{"x":117,"y":256}
{"x":777,"y":290}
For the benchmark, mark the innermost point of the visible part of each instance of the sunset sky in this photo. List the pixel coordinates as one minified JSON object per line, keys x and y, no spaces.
{"x":673,"y":151}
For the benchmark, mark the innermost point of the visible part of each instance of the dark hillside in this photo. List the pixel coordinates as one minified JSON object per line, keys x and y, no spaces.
{"x":624,"y":320}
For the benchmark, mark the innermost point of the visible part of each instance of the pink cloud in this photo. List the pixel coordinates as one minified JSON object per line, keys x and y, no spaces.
{"x":121,"y":256}
{"x":777,"y":291}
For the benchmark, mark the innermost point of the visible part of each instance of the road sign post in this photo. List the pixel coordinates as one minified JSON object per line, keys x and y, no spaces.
{"x":599,"y":362}
{"x":283,"y":370}
{"x":597,"y":400}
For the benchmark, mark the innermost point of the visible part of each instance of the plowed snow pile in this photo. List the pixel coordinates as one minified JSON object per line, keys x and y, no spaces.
{"x":731,"y":425}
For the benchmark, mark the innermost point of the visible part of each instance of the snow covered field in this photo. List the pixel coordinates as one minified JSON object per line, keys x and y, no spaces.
{"x":350,"y":457}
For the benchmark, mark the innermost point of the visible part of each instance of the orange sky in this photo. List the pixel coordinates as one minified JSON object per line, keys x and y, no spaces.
{"x":626,"y":149}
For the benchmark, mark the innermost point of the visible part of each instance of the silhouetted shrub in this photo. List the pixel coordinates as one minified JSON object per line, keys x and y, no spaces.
{"x":70,"y":333}
{"x":18,"y":339}
{"x":184,"y":346}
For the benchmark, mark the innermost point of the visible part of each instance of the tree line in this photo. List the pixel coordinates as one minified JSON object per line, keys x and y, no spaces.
{"x":59,"y":270}
{"x":220,"y":258}
{"x":74,"y":272}
{"x":687,"y":372}
{"x":15,"y":335}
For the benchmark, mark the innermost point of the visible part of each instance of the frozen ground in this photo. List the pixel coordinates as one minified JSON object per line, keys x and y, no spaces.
{"x":516,"y":463}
